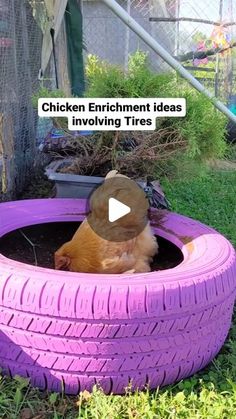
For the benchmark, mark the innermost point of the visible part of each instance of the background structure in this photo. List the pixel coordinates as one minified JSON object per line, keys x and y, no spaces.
{"x":22,"y":27}
{"x":201,"y":35}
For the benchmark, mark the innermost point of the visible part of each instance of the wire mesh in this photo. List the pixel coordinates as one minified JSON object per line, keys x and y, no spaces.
{"x":201,"y":35}
{"x":22,"y":25}
{"x":20,"y":55}
{"x":109,"y":38}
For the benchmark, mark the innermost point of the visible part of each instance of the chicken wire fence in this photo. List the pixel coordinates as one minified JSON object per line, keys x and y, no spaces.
{"x":201,"y":35}
{"x":21,"y":33}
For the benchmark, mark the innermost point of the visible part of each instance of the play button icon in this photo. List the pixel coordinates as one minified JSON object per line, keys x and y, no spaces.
{"x":117,"y":210}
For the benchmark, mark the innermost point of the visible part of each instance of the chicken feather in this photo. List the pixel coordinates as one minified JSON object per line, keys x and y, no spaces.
{"x":88,"y":252}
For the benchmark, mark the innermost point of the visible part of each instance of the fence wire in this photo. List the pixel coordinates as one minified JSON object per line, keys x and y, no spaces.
{"x":199,"y":34}
{"x":22,"y":24}
{"x":20,"y":49}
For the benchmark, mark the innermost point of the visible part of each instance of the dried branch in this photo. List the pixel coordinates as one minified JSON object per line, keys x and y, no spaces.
{"x":200,"y":55}
{"x":133,"y":153}
{"x":189,"y":19}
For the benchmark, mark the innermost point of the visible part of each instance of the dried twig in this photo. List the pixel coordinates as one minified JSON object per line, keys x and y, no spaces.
{"x":200,"y":55}
{"x":190,"y":19}
{"x":33,"y":246}
{"x":135,"y":152}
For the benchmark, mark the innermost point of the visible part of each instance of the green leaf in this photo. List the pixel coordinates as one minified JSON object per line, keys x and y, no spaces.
{"x":22,"y":382}
{"x":18,"y":396}
{"x":53,"y":398}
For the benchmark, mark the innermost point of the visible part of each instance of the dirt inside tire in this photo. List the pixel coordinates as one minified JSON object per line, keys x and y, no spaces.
{"x":35,"y":245}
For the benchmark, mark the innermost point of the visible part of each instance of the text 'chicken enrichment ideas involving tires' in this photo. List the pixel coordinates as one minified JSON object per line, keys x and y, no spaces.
{"x":112,"y":114}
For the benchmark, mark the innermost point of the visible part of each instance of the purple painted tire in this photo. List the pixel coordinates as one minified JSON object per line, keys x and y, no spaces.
{"x":82,"y":329}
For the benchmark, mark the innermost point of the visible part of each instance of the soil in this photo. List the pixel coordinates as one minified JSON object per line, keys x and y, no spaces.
{"x":45,"y":239}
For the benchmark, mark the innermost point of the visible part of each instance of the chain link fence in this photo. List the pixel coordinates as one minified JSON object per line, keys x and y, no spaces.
{"x":109,"y":38}
{"x":201,"y":35}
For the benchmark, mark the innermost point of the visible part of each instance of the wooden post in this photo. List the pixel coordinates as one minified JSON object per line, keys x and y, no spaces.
{"x":7,"y":152}
{"x":127,"y":38}
{"x":61,"y":52}
{"x":57,"y":18}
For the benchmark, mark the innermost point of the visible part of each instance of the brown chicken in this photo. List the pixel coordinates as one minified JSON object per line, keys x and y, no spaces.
{"x":88,"y":252}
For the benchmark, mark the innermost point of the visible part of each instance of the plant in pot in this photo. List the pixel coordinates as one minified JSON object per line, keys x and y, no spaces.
{"x":200,"y":135}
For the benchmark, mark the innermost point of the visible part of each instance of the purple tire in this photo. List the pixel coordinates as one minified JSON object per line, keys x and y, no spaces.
{"x":76,"y":330}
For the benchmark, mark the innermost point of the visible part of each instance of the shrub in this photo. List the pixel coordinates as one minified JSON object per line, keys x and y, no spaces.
{"x":203,"y":128}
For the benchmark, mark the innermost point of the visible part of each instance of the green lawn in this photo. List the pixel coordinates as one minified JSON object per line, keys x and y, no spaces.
{"x":210,"y":198}
{"x":210,"y":394}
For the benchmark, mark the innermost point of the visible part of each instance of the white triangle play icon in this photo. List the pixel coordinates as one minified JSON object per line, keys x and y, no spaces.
{"x":117,"y":209}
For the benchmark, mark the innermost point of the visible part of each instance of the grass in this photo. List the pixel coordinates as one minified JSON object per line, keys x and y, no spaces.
{"x":210,"y":394}
{"x":232,"y":153}
{"x":209,"y":197}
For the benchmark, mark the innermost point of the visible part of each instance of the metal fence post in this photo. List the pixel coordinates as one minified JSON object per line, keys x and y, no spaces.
{"x":152,"y":43}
